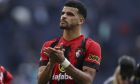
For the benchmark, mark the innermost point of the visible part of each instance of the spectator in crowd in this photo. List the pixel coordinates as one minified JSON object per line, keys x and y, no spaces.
{"x":124,"y":71}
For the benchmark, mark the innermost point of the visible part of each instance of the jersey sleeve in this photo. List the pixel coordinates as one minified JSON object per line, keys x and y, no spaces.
{"x":93,"y":54}
{"x":43,"y":57}
{"x":7,"y":76}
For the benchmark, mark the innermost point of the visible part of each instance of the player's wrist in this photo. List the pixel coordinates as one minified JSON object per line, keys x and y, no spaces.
{"x":65,"y":63}
{"x":51,"y":63}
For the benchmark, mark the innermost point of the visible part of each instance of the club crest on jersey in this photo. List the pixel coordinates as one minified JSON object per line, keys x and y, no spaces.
{"x":61,"y":68}
{"x":78,"y":52}
{"x":94,"y":58}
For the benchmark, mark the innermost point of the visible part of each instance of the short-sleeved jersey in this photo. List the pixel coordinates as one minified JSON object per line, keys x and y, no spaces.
{"x":77,"y":56}
{"x":5,"y":76}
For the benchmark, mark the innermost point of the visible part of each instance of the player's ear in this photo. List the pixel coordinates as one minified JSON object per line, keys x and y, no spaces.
{"x":82,"y":20}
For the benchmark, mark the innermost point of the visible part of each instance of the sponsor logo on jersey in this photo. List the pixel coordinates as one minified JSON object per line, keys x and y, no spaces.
{"x":94,"y":58}
{"x":61,"y":77}
{"x":61,"y":68}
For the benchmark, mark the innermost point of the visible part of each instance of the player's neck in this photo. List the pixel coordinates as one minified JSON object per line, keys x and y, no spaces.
{"x":71,"y":34}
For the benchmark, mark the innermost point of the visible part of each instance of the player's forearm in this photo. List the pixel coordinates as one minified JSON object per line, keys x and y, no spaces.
{"x":45,"y":75}
{"x":79,"y":76}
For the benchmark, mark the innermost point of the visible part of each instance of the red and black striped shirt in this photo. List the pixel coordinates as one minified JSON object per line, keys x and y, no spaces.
{"x":78,"y":51}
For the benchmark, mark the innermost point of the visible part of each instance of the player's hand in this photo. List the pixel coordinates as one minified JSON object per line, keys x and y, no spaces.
{"x":55,"y":54}
{"x":47,"y":53}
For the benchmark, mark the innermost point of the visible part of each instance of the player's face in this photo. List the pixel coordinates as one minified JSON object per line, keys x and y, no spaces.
{"x":69,"y":18}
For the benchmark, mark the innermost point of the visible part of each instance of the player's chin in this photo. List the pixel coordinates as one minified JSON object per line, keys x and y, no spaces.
{"x":63,"y":26}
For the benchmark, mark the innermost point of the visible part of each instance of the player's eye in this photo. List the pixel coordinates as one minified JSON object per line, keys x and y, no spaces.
{"x":62,"y":13}
{"x":70,"y":14}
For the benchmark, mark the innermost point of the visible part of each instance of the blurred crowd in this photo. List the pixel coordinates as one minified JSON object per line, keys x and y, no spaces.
{"x":26,"y":24}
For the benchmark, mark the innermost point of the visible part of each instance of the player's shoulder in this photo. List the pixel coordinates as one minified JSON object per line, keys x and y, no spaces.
{"x":2,"y":68}
{"x":92,"y":42}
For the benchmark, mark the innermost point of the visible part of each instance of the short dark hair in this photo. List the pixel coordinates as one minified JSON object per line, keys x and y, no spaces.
{"x":127,"y":66}
{"x":79,"y":5}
